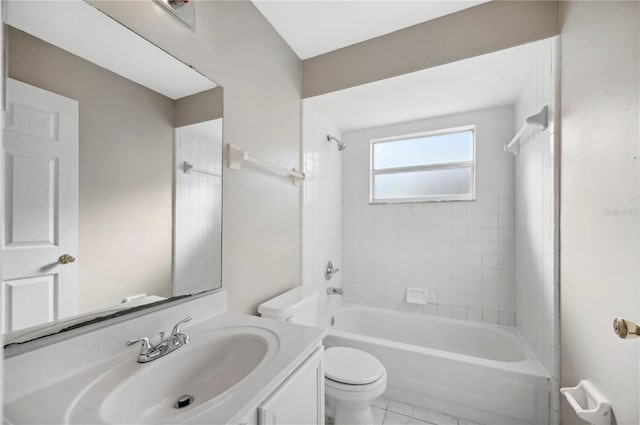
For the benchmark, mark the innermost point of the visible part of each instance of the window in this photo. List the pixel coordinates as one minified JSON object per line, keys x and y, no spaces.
{"x":434,"y":166}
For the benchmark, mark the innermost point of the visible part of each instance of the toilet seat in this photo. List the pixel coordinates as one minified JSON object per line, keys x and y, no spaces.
{"x":348,"y":366}
{"x":333,"y":386}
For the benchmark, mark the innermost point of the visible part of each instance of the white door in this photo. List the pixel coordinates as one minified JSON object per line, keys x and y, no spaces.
{"x":40,"y":190}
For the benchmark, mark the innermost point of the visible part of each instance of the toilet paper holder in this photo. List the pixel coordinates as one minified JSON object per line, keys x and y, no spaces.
{"x":589,"y":403}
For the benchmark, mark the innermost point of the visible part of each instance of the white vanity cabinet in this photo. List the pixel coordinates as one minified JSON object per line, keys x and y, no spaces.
{"x":299,"y":400}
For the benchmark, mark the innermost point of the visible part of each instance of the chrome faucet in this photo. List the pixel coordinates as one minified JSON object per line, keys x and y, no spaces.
{"x":150,"y":352}
{"x":329,"y":270}
{"x":334,"y":291}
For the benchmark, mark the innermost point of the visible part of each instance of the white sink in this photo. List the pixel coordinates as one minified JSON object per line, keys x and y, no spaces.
{"x":233,"y":363}
{"x":207,"y":369}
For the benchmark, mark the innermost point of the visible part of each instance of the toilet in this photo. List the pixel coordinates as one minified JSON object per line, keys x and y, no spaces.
{"x":352,"y":378}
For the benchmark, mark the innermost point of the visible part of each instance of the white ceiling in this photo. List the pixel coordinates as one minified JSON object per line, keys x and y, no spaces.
{"x":79,"y":28}
{"x":315,"y":27}
{"x":481,"y":82}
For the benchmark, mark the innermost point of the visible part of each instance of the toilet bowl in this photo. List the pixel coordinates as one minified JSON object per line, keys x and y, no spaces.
{"x":353,"y":379}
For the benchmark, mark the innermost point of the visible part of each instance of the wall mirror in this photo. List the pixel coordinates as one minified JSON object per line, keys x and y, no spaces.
{"x":112,"y":157}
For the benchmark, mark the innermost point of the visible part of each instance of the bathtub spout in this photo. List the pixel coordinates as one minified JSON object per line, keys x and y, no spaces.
{"x":334,"y":291}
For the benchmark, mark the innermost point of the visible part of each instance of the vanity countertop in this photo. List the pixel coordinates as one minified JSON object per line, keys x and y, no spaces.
{"x":83,"y":394}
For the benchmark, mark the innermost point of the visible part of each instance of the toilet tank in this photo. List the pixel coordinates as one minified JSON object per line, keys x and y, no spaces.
{"x":298,"y":305}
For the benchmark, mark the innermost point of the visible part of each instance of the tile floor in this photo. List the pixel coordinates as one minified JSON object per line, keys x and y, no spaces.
{"x":392,"y":412}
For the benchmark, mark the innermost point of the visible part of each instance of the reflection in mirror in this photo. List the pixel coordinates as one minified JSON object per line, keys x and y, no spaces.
{"x":113,"y":172}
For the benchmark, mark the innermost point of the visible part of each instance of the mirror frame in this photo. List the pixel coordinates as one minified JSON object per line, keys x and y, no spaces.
{"x":12,"y":349}
{"x":48,"y":333}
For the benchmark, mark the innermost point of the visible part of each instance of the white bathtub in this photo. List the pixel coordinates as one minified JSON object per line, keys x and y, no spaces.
{"x":481,"y":372}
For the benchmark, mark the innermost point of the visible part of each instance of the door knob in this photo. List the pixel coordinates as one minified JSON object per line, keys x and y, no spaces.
{"x":626,"y":328}
{"x":66,"y":259}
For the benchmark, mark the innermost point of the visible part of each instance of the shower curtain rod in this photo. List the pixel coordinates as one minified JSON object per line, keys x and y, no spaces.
{"x":190,"y":168}
{"x":539,"y":120}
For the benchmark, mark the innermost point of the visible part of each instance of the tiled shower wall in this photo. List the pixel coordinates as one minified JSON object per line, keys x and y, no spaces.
{"x":322,"y":203}
{"x":461,"y":252}
{"x":196,"y":234}
{"x":537,"y":290}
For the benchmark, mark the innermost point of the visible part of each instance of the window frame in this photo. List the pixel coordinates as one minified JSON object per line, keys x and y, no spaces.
{"x":439,"y":166}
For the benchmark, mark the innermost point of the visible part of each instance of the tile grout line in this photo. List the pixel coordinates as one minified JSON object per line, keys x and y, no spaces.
{"x":387,"y":410}
{"x":410,"y":417}
{"x":385,"y":415}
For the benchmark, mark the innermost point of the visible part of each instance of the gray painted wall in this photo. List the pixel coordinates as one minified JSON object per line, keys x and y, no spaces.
{"x":471,"y":32}
{"x":235,"y":46}
{"x":200,"y":107}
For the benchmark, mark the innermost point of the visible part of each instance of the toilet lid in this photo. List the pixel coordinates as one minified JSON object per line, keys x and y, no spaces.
{"x":351,"y":366}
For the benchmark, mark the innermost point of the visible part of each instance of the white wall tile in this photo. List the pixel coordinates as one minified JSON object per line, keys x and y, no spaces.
{"x":492,"y":317}
{"x":450,"y":248}
{"x":196,"y":236}
{"x":535,"y":272}
{"x":322,"y":216}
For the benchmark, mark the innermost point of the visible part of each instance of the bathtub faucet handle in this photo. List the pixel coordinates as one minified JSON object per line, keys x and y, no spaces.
{"x":329,"y":270}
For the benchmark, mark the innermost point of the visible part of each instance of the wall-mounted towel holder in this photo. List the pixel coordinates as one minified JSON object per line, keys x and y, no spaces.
{"x":590,"y":405}
{"x":539,"y":121}
{"x":237,"y":157}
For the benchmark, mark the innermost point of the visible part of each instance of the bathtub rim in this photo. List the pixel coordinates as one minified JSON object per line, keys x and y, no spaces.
{"x":530,"y":365}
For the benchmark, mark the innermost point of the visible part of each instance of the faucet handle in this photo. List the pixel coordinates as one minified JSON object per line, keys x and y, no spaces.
{"x":329,"y":270}
{"x":146,"y":345}
{"x":176,"y":329}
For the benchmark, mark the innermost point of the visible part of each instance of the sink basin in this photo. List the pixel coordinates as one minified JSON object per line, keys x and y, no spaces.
{"x":207,"y":370}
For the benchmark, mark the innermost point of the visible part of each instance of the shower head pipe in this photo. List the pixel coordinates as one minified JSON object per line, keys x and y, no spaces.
{"x":341,"y":146}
